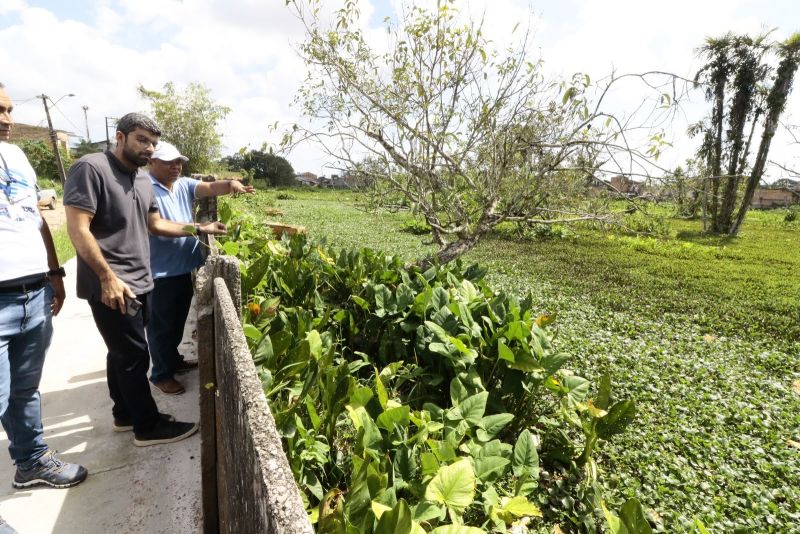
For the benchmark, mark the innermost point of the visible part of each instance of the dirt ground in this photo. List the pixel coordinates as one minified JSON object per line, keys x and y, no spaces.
{"x":55,"y":218}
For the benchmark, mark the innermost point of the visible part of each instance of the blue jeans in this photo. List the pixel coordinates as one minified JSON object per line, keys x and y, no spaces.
{"x":26,"y":327}
{"x":171,"y":299}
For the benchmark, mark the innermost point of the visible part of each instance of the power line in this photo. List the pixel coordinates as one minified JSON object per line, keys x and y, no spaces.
{"x":77,"y":129}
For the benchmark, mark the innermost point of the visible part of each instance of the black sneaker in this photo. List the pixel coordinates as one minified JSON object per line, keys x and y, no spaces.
{"x":165,"y":432}
{"x":124,"y":425}
{"x":52,"y":471}
{"x":5,"y":528}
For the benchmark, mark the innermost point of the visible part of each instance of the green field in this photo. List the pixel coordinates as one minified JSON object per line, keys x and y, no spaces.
{"x":704,"y":333}
{"x":64,"y":248}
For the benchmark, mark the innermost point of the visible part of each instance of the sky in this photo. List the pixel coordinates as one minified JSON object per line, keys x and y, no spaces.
{"x":244,"y":51}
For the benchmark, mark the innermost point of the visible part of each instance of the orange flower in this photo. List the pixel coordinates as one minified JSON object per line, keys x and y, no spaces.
{"x":254,"y":308}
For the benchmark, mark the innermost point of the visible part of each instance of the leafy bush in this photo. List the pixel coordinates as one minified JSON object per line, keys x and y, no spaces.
{"x":43,"y":160}
{"x":791,"y":215}
{"x":285,"y":196}
{"x":416,"y":227}
{"x":419,"y":395}
{"x":642,"y":223}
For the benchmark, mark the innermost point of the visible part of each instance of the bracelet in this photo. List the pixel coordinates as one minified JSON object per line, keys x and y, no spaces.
{"x":57,"y":272}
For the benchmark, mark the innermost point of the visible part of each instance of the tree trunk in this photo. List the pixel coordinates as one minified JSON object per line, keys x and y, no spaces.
{"x":776,"y":102}
{"x":716,"y":152}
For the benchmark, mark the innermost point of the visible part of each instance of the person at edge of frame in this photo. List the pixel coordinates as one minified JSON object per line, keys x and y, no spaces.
{"x":31,"y":294}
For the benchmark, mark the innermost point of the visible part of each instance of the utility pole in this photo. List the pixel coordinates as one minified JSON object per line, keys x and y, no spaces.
{"x":61,"y":174}
{"x":108,"y":139}
{"x":86,"y":118}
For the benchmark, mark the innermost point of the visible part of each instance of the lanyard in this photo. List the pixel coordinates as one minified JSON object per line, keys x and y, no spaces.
{"x":5,"y":183}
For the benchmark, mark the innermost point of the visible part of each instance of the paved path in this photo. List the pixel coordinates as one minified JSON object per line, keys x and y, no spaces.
{"x":130,"y":489}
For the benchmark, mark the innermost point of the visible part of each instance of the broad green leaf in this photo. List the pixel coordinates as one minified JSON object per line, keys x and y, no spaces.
{"x":620,"y":415}
{"x":314,"y":344}
{"x":520,"y":507}
{"x":553,"y":362}
{"x":425,"y":511}
{"x":395,"y":417}
{"x":577,"y":387}
{"x":603,"y":399}
{"x":456,"y":529}
{"x":614,"y":524}
{"x":517,"y":330}
{"x":405,"y":296}
{"x":632,"y":516}
{"x":361,"y":302}
{"x":513,"y":508}
{"x":251,"y":332}
{"x":472,"y":408}
{"x":281,"y":341}
{"x":453,"y":486}
{"x":438,"y":331}
{"x":395,"y":521}
{"x":383,"y":395}
{"x":505,"y":353}
{"x":231,"y":248}
{"x":457,"y":392}
{"x":255,"y":273}
{"x":526,"y":459}
{"x":524,"y":362}
{"x":440,"y":298}
{"x":430,"y":464}
{"x":491,"y":425}
{"x":490,"y":468}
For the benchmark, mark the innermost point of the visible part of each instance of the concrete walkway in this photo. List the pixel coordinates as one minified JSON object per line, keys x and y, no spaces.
{"x":130,"y":489}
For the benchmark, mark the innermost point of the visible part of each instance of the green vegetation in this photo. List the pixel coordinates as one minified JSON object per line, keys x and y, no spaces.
{"x":43,"y":160}
{"x":702,"y":332}
{"x":189,"y":119}
{"x":420,"y":393}
{"x":64,"y":247}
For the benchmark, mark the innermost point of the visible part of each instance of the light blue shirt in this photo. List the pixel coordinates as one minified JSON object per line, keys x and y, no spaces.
{"x":174,"y":256}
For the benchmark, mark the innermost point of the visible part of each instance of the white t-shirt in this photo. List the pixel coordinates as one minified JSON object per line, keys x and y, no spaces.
{"x":22,"y":251}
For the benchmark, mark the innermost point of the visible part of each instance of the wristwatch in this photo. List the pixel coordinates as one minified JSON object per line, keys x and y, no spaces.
{"x":57,"y":272}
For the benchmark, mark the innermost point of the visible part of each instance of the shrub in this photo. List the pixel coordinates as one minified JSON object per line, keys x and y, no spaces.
{"x":285,"y":196}
{"x":421,"y":392}
{"x":416,"y":227}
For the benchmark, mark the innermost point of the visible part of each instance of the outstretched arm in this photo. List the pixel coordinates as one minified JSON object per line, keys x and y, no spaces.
{"x":166,"y":228}
{"x":222,"y":187}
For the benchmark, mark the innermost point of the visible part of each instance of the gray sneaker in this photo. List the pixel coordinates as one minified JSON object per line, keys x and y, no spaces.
{"x":5,"y":528}
{"x":50,"y":470}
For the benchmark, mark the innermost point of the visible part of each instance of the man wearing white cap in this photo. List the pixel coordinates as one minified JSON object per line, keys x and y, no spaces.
{"x":172,"y":261}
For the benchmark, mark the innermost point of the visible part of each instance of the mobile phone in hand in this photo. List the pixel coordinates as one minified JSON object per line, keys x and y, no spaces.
{"x":132,"y":306}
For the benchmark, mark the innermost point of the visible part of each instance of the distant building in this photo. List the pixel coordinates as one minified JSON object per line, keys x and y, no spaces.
{"x":625,"y":186}
{"x":24,"y":132}
{"x":335,"y":181}
{"x":786,"y":183}
{"x":618,"y":185}
{"x":774,"y":197}
{"x":307,"y":179}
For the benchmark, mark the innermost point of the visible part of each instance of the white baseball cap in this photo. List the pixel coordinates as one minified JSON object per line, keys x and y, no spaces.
{"x":167,"y":152}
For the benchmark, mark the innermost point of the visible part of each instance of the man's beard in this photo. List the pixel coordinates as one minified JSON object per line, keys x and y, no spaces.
{"x":138,"y":158}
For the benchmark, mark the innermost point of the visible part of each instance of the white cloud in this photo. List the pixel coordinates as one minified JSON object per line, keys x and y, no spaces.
{"x":243,"y":51}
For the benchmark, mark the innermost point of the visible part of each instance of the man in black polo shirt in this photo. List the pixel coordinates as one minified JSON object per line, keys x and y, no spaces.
{"x":110,"y":209}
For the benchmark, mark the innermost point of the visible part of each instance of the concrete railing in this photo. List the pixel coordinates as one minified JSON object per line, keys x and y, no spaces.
{"x":248,"y":485}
